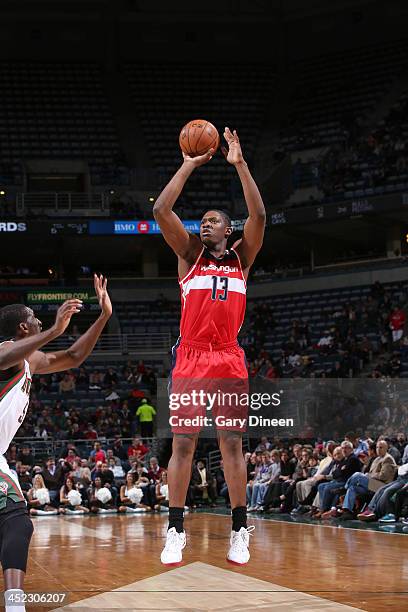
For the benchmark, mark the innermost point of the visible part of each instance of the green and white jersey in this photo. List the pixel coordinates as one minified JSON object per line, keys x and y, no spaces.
{"x":14,"y":400}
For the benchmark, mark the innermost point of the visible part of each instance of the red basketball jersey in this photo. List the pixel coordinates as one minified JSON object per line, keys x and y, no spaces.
{"x":213,"y":299}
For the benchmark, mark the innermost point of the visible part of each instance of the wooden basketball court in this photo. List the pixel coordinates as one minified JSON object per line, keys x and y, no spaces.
{"x":112,"y":562}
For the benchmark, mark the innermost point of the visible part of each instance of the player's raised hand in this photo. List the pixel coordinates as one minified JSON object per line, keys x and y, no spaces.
{"x":64,"y":314}
{"x":100,"y":284}
{"x":199,"y":160}
{"x":233,"y":154}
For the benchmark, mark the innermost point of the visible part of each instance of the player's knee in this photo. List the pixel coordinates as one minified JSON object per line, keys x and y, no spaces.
{"x":14,"y":550}
{"x":184,"y":447}
{"x":232,"y":445}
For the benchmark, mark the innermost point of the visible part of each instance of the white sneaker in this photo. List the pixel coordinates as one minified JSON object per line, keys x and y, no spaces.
{"x":239,"y":546}
{"x":175,"y":542}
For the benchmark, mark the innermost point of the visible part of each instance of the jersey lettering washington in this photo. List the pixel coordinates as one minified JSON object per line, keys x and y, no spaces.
{"x":213,"y":299}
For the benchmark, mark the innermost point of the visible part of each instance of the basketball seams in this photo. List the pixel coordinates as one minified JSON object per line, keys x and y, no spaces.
{"x":199,"y":138}
{"x":190,"y":152}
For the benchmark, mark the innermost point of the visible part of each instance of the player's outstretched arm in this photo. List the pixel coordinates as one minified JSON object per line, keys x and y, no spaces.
{"x":14,"y":353}
{"x":254,"y":228}
{"x":185,"y":245}
{"x":46,"y":363}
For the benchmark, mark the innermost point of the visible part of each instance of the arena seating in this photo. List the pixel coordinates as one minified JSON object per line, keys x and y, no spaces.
{"x":54,"y":110}
{"x":333,"y":90}
{"x":167,"y":97}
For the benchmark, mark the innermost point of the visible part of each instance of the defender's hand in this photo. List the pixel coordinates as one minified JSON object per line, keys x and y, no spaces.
{"x":233,"y":154}
{"x":100,"y":284}
{"x":64,"y":314}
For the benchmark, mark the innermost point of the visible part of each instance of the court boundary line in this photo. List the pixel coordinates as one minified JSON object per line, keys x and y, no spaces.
{"x":258,"y":518}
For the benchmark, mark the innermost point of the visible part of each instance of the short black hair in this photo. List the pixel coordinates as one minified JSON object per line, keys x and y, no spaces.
{"x":10,"y":318}
{"x":224,"y":215}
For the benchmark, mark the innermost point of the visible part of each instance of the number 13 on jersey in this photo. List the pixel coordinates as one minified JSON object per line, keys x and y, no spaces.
{"x":220,"y":283}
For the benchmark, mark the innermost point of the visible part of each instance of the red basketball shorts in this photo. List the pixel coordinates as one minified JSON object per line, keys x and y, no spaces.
{"x":208,"y":388}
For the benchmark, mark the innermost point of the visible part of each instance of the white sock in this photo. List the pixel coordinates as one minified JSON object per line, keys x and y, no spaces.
{"x":13,"y":607}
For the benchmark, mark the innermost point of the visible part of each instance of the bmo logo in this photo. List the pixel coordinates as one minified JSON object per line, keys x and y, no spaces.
{"x":143,"y":227}
{"x":11,"y":226}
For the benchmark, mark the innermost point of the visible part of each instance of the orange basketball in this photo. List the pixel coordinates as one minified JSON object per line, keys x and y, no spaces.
{"x":197,"y":137}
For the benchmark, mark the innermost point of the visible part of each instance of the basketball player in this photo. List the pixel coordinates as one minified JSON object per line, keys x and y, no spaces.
{"x":213,"y":290}
{"x":19,"y":360}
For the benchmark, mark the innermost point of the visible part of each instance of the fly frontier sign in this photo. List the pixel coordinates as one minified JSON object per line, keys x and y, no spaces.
{"x":12,"y":226}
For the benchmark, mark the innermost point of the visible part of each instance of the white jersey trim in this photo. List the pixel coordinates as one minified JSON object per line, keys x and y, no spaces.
{"x":237,"y":285}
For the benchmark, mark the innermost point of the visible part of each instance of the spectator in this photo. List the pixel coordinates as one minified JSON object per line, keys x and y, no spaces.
{"x":130,"y":489}
{"x":203,"y":483}
{"x":221,"y":484}
{"x":25,"y":456}
{"x":90,"y":433}
{"x":72,"y":457}
{"x":382,"y":472}
{"x":54,"y":476}
{"x":264,"y":445}
{"x":39,"y":498}
{"x":97,"y":454}
{"x":397,"y":322}
{"x":358,"y":444}
{"x":95,"y":503}
{"x":268,"y":472}
{"x":69,"y":503}
{"x":305,"y":489}
{"x":381,"y":505}
{"x":162,"y":493}
{"x":67,"y":384}
{"x":146,"y":413}
{"x":137,"y":449}
{"x":329,"y":491}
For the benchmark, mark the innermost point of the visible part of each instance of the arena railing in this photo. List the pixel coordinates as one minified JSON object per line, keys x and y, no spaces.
{"x":46,"y":448}
{"x":62,"y":202}
{"x":122,"y":344}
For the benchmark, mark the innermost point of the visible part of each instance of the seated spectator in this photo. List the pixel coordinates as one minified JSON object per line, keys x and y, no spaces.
{"x":131,"y":496}
{"x":264,"y":445}
{"x":137,"y":449}
{"x":381,"y":472}
{"x":120,"y":451}
{"x":39,"y":498}
{"x":326,"y":341}
{"x":97,"y":454}
{"x":67,"y":384}
{"x":268,"y":472}
{"x":54,"y":477}
{"x":162,"y":493}
{"x":81,"y":473}
{"x":253,"y":464}
{"x":95,"y":380}
{"x":329,"y":491}
{"x":382,"y":505}
{"x":302,"y":471}
{"x":154,"y":470}
{"x":111,"y":378}
{"x":274,"y":491}
{"x":72,"y":457}
{"x":97,"y":502}
{"x":358,"y":444}
{"x":203,"y":483}
{"x":90,"y":433}
{"x":116,"y":469}
{"x":69,"y":502}
{"x":25,"y":456}
{"x":397,"y":323}
{"x":306,"y":489}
